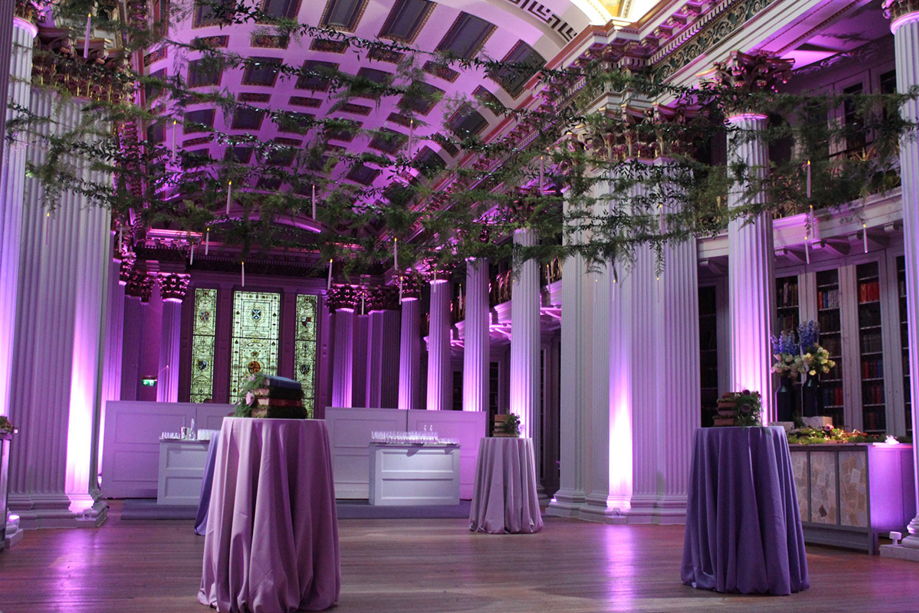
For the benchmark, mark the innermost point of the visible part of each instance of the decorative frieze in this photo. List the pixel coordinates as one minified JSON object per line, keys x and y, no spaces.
{"x":745,"y":74}
{"x":139,"y":285}
{"x":343,"y":296}
{"x":895,"y":9}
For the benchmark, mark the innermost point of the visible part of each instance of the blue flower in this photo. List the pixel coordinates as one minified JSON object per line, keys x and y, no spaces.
{"x":808,"y":335}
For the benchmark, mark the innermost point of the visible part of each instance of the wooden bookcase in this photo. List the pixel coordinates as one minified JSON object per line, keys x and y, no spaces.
{"x":871,"y":347}
{"x":904,"y":339}
{"x":829,"y":318}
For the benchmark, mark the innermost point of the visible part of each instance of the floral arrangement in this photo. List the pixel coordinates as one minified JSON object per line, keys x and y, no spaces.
{"x":747,"y":407}
{"x":829,"y":434}
{"x":6,"y":427}
{"x":802,"y":356}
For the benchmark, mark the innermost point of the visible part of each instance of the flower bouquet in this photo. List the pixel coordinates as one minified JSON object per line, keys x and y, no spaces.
{"x":740,"y":409}
{"x":804,"y":356}
{"x":6,"y":427}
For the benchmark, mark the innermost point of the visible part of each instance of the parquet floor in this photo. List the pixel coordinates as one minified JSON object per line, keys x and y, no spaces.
{"x":433,"y":565}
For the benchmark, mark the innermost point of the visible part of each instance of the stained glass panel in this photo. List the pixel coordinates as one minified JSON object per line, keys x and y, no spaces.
{"x":256,"y":322}
{"x":305,"y":348}
{"x":202,"y":345}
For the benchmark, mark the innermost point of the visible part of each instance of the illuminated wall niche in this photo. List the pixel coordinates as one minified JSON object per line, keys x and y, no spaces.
{"x":305,"y":348}
{"x":202,"y":345}
{"x":255,"y":337}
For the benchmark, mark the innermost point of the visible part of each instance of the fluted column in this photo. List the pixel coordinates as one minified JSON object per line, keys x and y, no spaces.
{"x":679,"y":382}
{"x":56,"y":372}
{"x":905,"y":28}
{"x":16,"y":69}
{"x":383,"y":362}
{"x":440,"y":370}
{"x":575,"y":382}
{"x":524,"y":375}
{"x":114,"y":337}
{"x":751,"y":267}
{"x":410,"y":355}
{"x":343,"y":358}
{"x":476,"y":338}
{"x":173,"y":288}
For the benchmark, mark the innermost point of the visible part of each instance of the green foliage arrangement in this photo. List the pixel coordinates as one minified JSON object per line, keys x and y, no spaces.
{"x":747,"y":407}
{"x":829,"y":434}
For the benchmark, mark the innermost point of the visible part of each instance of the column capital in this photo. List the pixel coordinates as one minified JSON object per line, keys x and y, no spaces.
{"x":900,"y":11}
{"x":343,"y":296}
{"x":382,"y":298}
{"x":30,"y":11}
{"x":173,"y":286}
{"x":128,"y":259}
{"x":743,"y":75}
{"x":139,"y":285}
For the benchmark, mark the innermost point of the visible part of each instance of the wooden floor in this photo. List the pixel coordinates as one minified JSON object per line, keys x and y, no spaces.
{"x":432,"y":565}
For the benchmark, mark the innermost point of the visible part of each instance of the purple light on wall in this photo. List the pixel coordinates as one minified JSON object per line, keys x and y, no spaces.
{"x":620,"y":440}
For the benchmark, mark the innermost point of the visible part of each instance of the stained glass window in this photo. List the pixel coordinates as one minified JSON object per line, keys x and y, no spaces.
{"x":256,"y":323}
{"x":305,"y":348}
{"x":202,"y":345}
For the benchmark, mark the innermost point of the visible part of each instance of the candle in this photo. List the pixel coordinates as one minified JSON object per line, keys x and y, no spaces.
{"x":207,"y":241}
{"x":89,"y":25}
{"x":229,"y":195}
{"x":120,"y":239}
{"x":363,"y":297}
{"x":865,"y":235}
{"x":660,"y":208}
{"x":174,"y":130}
{"x":395,"y":254}
{"x":329,"y":283}
{"x":400,"y":289}
{"x":541,"y":171}
{"x":808,"y":179}
{"x":243,"y":273}
{"x":411,"y":134}
{"x":314,"y":203}
{"x":192,"y":258}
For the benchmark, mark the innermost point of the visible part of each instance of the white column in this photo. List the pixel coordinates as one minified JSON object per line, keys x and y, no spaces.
{"x":475,"y":337}
{"x":410,"y":355}
{"x":343,"y":358}
{"x":525,"y":346}
{"x":56,"y":372}
{"x":167,"y":384}
{"x":17,"y":73}
{"x":376,"y":343}
{"x":575,"y":383}
{"x":114,"y":337}
{"x":751,"y":268}
{"x":440,"y":370}
{"x":620,"y":393}
{"x":905,"y":29}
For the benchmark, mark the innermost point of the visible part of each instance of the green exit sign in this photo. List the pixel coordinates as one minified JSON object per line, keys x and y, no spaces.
{"x":148,"y":381}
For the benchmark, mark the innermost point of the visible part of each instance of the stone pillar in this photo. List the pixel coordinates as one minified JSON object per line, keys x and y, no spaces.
{"x":476,"y":338}
{"x":410,"y":350}
{"x":16,"y":71}
{"x":575,"y":382}
{"x":905,"y":28}
{"x":56,"y":373}
{"x":440,"y":369}
{"x":525,"y":337}
{"x":383,"y":362}
{"x":751,"y":274}
{"x":173,"y":288}
{"x":341,"y":303}
{"x":114,"y":337}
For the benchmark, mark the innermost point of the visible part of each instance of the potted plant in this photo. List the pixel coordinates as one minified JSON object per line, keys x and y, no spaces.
{"x":740,"y":409}
{"x":507,"y":425}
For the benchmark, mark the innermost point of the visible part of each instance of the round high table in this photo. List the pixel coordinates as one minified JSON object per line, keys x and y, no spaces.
{"x":504,"y":496}
{"x":271,"y":541}
{"x":743,"y":526}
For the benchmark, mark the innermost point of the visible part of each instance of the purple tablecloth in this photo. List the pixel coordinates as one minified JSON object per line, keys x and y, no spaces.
{"x":207,"y":482}
{"x":271,"y":543}
{"x":504,"y":496}
{"x":743,"y":527}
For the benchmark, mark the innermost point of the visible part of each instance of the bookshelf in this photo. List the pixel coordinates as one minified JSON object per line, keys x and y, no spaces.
{"x":829,"y":320}
{"x":871,"y":347}
{"x":787,"y":310}
{"x":904,"y":339}
{"x":708,"y":352}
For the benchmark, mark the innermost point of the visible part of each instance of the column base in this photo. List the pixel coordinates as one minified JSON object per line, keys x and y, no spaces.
{"x":566,"y":504}
{"x":663,"y":510}
{"x":14,"y":532}
{"x":602,"y":511}
{"x":53,"y":511}
{"x":900,"y":552}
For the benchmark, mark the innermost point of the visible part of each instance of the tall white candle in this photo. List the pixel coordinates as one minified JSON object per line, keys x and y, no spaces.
{"x":89,"y":26}
{"x":207,"y":241}
{"x":865,"y":235}
{"x":395,"y":254}
{"x":120,"y":239}
{"x":229,"y":195}
{"x":541,"y":172}
{"x":328,"y":285}
{"x":808,"y":179}
{"x":400,"y":289}
{"x":314,"y":203}
{"x":411,"y":135}
{"x":174,"y":130}
{"x":660,"y":208}
{"x":243,"y":269}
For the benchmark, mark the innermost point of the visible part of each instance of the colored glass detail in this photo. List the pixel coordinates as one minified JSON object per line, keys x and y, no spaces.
{"x":202,"y":345}
{"x":256,"y":323}
{"x":305,"y":348}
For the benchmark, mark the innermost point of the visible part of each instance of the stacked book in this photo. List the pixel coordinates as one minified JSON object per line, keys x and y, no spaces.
{"x":279,"y":397}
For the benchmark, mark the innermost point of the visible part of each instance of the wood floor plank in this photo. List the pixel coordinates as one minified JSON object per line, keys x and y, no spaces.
{"x":154,"y":566}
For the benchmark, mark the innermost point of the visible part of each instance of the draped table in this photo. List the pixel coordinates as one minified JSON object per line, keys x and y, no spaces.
{"x":743,"y":527}
{"x":504,"y":495}
{"x":271,"y":541}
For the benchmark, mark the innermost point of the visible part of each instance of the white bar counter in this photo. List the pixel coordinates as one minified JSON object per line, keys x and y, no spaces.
{"x":181,"y":470}
{"x":412,"y":474}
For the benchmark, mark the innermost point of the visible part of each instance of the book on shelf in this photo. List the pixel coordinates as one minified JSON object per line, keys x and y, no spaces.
{"x":278,"y":392}
{"x":869,"y":291}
